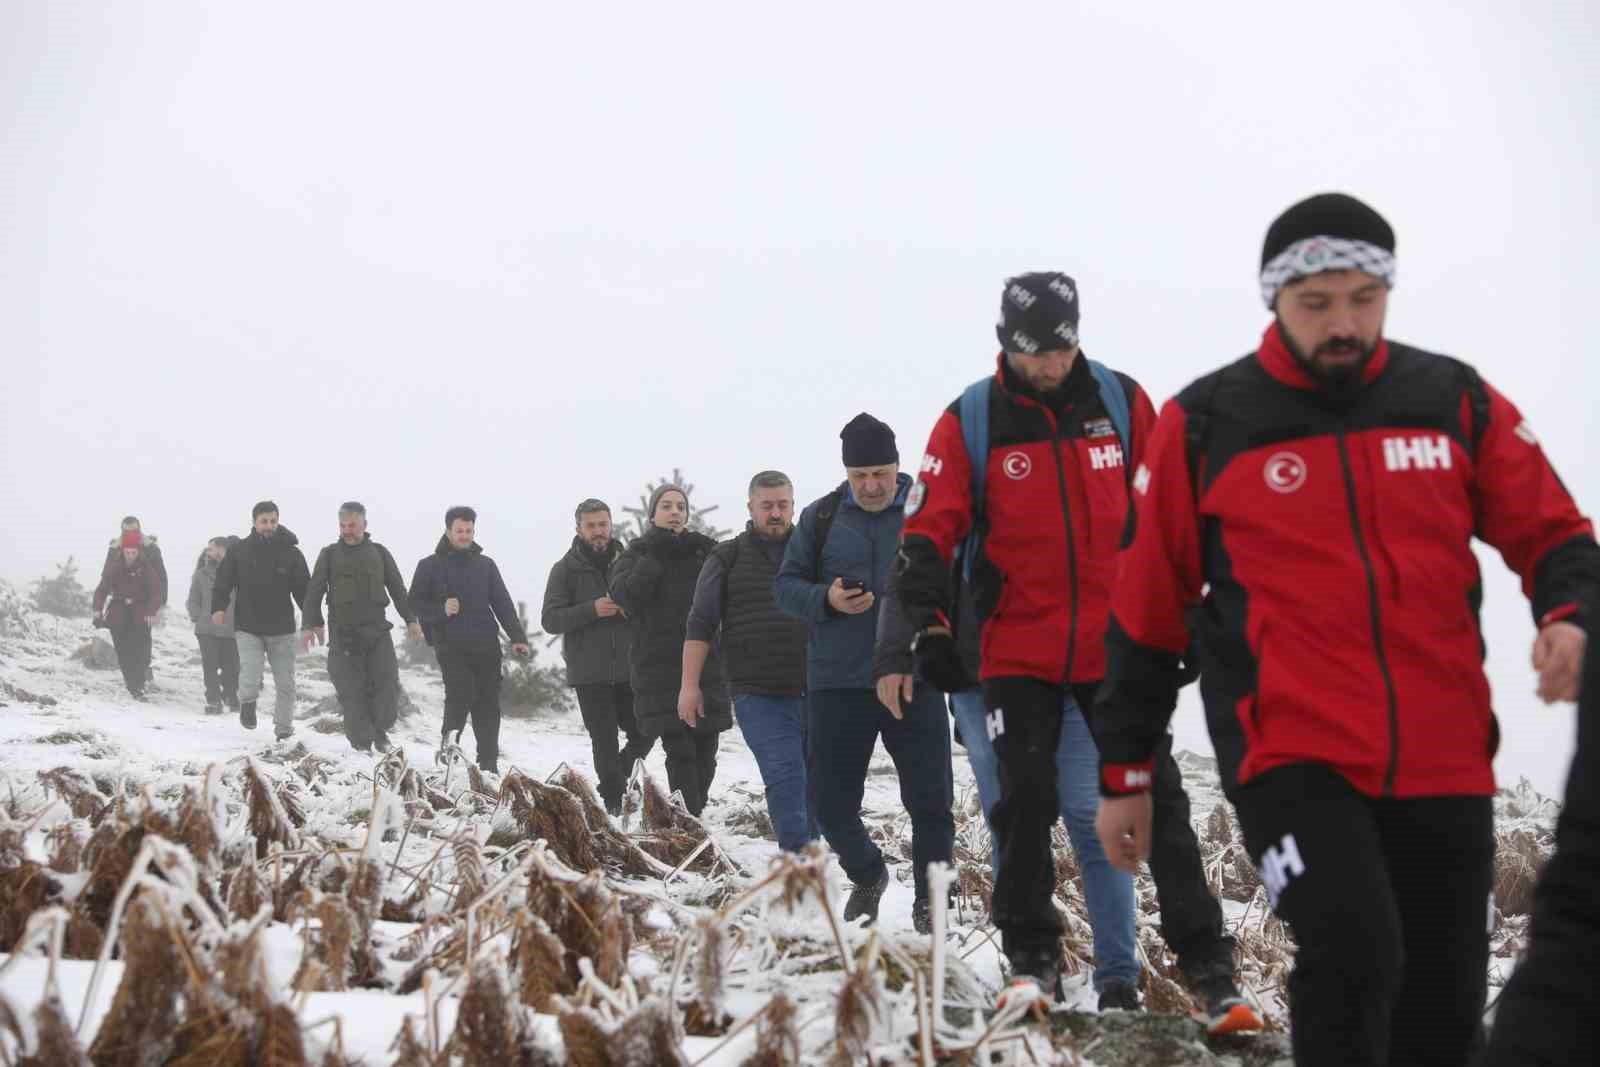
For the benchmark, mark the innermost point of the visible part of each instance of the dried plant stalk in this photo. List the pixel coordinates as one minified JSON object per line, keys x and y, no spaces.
{"x":139,"y":1027}
{"x":489,"y":1024}
{"x":777,"y":1035}
{"x":269,"y":819}
{"x":542,"y":968}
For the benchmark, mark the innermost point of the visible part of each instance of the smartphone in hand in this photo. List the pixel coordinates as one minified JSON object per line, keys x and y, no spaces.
{"x":853,"y":585}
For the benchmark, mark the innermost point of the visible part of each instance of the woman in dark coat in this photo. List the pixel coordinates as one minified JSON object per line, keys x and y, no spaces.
{"x":126,"y":600}
{"x":653,"y":581}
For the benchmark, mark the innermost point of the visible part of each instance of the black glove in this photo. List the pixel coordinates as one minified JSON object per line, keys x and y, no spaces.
{"x":936,"y":660}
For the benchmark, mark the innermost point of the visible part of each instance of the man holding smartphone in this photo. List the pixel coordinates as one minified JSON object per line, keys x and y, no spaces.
{"x":835,"y":568}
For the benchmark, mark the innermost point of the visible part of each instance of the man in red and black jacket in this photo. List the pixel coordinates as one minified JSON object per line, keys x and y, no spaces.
{"x":1323,"y":493}
{"x":1055,"y":504}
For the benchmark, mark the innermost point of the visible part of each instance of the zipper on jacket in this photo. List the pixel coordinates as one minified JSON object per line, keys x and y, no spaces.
{"x":1072,"y":547}
{"x":1377,"y":621}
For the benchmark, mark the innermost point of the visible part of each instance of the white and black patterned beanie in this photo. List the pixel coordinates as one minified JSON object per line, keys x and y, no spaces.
{"x":1038,"y":313}
{"x":1329,"y":231}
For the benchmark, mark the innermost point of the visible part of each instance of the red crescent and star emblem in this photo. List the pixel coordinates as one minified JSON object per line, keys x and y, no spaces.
{"x":1017,"y":465}
{"x":1285,"y":472}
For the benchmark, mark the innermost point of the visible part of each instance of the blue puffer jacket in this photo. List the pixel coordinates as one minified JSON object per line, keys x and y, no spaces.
{"x":860,"y":545}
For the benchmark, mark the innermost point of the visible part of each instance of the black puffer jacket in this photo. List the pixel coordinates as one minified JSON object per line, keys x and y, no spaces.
{"x":654,"y":582}
{"x":270,"y":574}
{"x":595,"y":649}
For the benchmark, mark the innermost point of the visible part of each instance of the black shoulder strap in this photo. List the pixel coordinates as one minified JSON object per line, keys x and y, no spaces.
{"x":827,"y":508}
{"x":1196,"y":433}
{"x":1477,"y":405}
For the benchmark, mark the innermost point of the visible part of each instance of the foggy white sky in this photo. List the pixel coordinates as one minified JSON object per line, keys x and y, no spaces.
{"x":515,"y":255}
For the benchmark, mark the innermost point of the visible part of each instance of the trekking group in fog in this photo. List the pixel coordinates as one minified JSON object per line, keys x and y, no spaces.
{"x":1293,"y":530}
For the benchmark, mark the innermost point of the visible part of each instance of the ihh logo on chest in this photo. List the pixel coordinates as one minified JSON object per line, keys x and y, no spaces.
{"x":1105,"y":456}
{"x":1419,"y":453}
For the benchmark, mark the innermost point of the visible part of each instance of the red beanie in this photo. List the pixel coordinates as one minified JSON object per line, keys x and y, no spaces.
{"x":132,"y":539}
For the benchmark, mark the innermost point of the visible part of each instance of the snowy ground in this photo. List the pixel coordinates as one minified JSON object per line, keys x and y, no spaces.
{"x":55,"y":712}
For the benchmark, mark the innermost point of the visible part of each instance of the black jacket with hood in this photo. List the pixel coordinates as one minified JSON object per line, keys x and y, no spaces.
{"x":595,"y":649}
{"x":270,"y":575}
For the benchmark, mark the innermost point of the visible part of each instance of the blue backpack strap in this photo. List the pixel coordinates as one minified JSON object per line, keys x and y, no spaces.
{"x":1115,"y":399}
{"x":974,"y":413}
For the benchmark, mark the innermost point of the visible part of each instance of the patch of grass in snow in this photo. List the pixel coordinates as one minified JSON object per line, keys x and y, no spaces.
{"x":68,"y":737}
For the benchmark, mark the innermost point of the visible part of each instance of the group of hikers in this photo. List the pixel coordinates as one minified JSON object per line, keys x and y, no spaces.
{"x":1293,"y":530}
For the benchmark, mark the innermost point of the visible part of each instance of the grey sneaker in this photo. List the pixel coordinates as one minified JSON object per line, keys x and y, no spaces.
{"x":864,"y":899}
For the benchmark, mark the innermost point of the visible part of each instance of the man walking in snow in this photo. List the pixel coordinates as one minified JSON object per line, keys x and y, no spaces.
{"x":462,"y":603}
{"x":359,"y":578}
{"x":1031,"y":526}
{"x":834,"y":570}
{"x":763,"y":649}
{"x":269,"y":574}
{"x":594,"y":643}
{"x":219,"y":649}
{"x":1323,"y":493}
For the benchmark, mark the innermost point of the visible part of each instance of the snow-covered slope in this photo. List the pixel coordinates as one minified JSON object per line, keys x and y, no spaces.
{"x":302,"y":820}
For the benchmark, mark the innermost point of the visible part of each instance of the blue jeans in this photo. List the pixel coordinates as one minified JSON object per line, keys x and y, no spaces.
{"x":775,"y":729}
{"x":1107,"y":891}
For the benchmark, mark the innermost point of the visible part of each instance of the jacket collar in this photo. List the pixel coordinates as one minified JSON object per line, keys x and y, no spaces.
{"x":1276,"y":359}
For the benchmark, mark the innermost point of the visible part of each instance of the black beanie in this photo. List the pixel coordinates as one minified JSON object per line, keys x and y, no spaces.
{"x":1038,"y":313}
{"x":868,"y":442}
{"x":1329,"y":231}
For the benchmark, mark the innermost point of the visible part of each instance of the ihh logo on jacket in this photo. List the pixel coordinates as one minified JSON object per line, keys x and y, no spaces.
{"x":1105,"y":456}
{"x":1416,"y":453}
{"x":1017,"y":465}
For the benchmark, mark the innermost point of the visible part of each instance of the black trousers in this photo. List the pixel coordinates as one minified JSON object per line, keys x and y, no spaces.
{"x":1191,"y":918}
{"x":1550,"y":1011}
{"x":366,"y":676}
{"x":219,"y":663}
{"x":131,"y":639}
{"x":1388,"y":902}
{"x":1027,"y":712}
{"x":691,"y":761}
{"x":472,"y":687}
{"x":607,"y":708}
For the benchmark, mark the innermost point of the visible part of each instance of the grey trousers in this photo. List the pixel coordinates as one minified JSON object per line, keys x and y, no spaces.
{"x":256,"y":652}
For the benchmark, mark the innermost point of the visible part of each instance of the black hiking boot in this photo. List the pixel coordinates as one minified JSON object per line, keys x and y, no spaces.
{"x":247,"y":714}
{"x":921,"y":917}
{"x":1120,"y":996}
{"x":1221,"y":1007}
{"x":863,"y":899}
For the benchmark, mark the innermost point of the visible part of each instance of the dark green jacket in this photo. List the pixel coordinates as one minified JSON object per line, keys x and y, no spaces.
{"x":359,"y":581}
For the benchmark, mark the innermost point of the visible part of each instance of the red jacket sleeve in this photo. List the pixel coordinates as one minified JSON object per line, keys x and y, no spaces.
{"x":1523,"y":510}
{"x":1158,"y":577}
{"x":938,"y":517}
